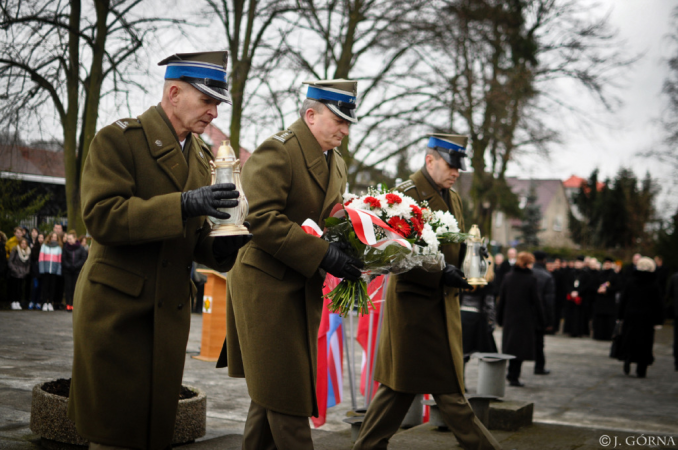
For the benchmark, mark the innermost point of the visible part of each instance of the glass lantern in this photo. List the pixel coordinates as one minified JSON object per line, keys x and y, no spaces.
{"x":226,"y":169}
{"x":475,"y":265}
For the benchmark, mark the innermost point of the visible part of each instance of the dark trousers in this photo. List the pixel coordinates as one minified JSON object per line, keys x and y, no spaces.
{"x":35,"y":289}
{"x":70,"y":278}
{"x":49,"y":286}
{"x":675,"y":342}
{"x":389,"y":407}
{"x":270,"y":430}
{"x":19,"y":289}
{"x":514,"y":369}
{"x":539,"y":358}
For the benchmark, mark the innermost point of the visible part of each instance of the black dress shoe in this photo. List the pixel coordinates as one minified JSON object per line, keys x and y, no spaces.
{"x":542,"y":372}
{"x":516,"y":383}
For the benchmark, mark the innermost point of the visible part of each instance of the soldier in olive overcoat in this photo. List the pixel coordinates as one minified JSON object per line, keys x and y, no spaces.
{"x":275,"y":288}
{"x":145,"y":199}
{"x":420,"y":348}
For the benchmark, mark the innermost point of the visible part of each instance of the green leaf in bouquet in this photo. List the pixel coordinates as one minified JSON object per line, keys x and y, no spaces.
{"x":333,"y":222}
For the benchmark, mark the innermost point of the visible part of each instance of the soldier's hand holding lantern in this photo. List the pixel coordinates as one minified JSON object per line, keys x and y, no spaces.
{"x":454,"y":277}
{"x":204,"y":201}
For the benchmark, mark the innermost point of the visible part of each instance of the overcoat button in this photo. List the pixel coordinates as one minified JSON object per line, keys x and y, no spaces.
{"x":188,"y":268}
{"x":181,"y":305}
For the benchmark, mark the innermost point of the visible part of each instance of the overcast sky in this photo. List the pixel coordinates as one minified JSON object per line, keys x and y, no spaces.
{"x":607,"y":142}
{"x":644,"y":25}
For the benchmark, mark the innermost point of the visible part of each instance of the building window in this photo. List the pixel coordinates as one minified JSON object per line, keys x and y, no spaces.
{"x":558,"y":223}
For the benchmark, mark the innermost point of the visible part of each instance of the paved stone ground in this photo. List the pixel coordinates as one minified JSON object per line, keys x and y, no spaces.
{"x":586,"y":396}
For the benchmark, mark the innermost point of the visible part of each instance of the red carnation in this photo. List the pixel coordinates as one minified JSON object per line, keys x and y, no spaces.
{"x":400,"y":226}
{"x":373,"y":202}
{"x":416,"y":211}
{"x":393,"y":198}
{"x":348,"y":202}
{"x":417,"y":224}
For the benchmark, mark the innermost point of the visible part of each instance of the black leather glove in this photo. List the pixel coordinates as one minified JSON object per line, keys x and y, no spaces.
{"x":483,"y":252}
{"x":340,"y":264}
{"x":223,"y":247}
{"x":204,"y":201}
{"x":454,"y":277}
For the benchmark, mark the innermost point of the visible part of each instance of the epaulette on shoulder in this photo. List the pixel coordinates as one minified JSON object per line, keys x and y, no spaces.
{"x":283,"y":136}
{"x":129,"y":123}
{"x":406,"y":186}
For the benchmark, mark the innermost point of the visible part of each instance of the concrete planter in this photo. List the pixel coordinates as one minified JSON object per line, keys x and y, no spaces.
{"x":49,"y":420}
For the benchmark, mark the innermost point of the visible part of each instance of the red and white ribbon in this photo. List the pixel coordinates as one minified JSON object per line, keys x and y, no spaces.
{"x":363,"y":224}
{"x":312,"y":228}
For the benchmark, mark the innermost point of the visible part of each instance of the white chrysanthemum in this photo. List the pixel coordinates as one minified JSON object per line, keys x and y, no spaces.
{"x":348,"y":196}
{"x":429,"y":236}
{"x":402,"y":209}
{"x":447,"y":221}
{"x":426,"y":214}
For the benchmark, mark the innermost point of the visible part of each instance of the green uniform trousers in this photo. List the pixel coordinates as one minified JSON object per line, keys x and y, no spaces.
{"x":388,"y":409}
{"x":270,"y":430}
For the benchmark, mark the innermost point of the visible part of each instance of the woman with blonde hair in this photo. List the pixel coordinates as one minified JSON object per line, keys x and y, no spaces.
{"x":640,"y":310}
{"x":520,"y":312}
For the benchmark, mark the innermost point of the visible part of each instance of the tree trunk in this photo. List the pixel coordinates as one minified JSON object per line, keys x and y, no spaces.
{"x":70,"y":125}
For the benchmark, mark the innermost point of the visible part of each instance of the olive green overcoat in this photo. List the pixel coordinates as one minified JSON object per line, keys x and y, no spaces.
{"x":275,"y":288}
{"x":131,"y":314}
{"x":420,"y":347}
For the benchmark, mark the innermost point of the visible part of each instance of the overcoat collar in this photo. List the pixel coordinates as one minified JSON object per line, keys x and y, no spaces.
{"x":164,"y":146}
{"x":429,"y":191}
{"x":313,"y":154}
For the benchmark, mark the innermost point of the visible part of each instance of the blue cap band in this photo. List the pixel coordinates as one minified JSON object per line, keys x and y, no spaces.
{"x":321,"y":94}
{"x":435,"y":142}
{"x":195,"y":70}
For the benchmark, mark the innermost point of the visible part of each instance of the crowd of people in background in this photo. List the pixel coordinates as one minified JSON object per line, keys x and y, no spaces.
{"x":39,"y":272}
{"x":529,"y":294}
{"x":532,"y":295}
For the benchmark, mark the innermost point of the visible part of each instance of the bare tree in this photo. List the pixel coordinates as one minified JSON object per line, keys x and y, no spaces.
{"x":358,"y":39}
{"x":669,"y":120}
{"x":253,"y":49}
{"x":491,"y":70}
{"x":57,"y":56}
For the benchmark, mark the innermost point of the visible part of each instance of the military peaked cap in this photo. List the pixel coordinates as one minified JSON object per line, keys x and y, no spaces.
{"x":451,"y":147}
{"x":338,"y":95}
{"x":205,"y":71}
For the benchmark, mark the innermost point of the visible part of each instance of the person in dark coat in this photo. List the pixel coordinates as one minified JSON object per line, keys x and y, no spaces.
{"x":560,"y":276}
{"x":604,"y":304}
{"x":36,"y":284}
{"x":672,"y":294}
{"x":520,"y":312}
{"x":640,"y":309}
{"x":72,"y":260}
{"x":505,"y":266}
{"x":478,"y":317}
{"x":579,"y":286}
{"x":662,"y":274}
{"x":547,"y":293}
